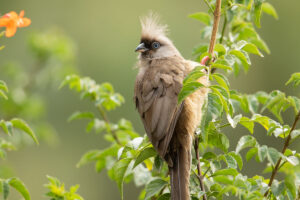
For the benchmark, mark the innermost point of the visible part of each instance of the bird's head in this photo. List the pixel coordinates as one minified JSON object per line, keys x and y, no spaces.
{"x":154,"y":42}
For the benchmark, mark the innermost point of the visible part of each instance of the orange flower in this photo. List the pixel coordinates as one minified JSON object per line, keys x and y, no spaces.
{"x":12,"y":21}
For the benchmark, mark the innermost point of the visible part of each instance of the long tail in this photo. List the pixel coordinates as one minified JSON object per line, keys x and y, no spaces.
{"x":180,"y":174}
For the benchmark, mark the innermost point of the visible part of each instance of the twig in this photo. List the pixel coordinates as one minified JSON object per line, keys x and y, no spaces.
{"x":217,"y":15}
{"x":196,"y":146}
{"x":224,"y":125}
{"x":286,"y":144}
{"x":105,"y":118}
{"x":206,"y":171}
{"x":223,"y":29}
{"x":208,"y":5}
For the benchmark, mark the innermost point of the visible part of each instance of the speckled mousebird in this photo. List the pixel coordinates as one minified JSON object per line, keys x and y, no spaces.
{"x":170,"y":126}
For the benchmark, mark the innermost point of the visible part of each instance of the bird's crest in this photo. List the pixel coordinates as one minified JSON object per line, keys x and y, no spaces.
{"x":151,"y":28}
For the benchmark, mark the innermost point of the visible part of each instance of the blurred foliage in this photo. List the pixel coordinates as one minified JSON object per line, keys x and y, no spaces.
{"x":53,"y":57}
{"x":9,"y":127}
{"x":58,"y":191}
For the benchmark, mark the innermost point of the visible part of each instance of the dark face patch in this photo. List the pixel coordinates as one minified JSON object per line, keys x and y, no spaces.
{"x":152,"y":45}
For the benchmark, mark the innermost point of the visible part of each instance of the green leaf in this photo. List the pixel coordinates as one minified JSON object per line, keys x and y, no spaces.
{"x":222,"y":81}
{"x":3,"y":89}
{"x":273,"y":155}
{"x":5,"y":189}
{"x":223,"y":179}
{"x":220,"y":49}
{"x":120,"y":168}
{"x":81,"y":115}
{"x":200,"y":49}
{"x":135,"y":143}
{"x":295,"y":103}
{"x":295,"y":80}
{"x":97,"y":155}
{"x":295,"y":133}
{"x":188,"y":89}
{"x":154,"y":187}
{"x":3,"y":86}
{"x":244,"y":142}
{"x":234,"y":121}
{"x":247,"y":123}
{"x":277,"y":188}
{"x":251,"y":48}
{"x":194,"y":75}
{"x":269,"y":9}
{"x":238,"y":158}
{"x":276,"y":103}
{"x":222,"y":94}
{"x":293,"y":160}
{"x":262,"y":152}
{"x":260,"y":44}
{"x":20,"y":187}
{"x":158,"y":162}
{"x":209,"y":155}
{"x":289,"y":182}
{"x":230,"y":171}
{"x":145,"y":154}
{"x":166,"y":196}
{"x":202,"y":17}
{"x":241,"y":57}
{"x":22,"y":125}
{"x":89,"y":156}
{"x":7,"y":127}
{"x":262,"y":120}
{"x":3,"y":95}
{"x":253,"y":151}
{"x":257,"y":12}
{"x":221,"y":66}
{"x":230,"y":161}
{"x":217,"y":139}
{"x":73,"y":81}
{"x":214,"y":107}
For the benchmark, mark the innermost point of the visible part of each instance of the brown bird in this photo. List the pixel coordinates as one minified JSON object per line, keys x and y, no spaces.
{"x":169,"y":126}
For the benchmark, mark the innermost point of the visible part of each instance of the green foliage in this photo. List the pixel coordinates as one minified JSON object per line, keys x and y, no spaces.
{"x":57,"y":190}
{"x":295,"y":80}
{"x":9,"y":127}
{"x":3,"y":89}
{"x":15,"y":183}
{"x":202,"y":17}
{"x":129,"y":157}
{"x":53,"y":55}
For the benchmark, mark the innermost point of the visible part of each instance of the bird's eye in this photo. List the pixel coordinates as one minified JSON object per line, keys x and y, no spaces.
{"x":155,"y":45}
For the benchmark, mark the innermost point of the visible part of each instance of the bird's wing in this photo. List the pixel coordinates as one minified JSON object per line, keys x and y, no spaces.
{"x":156,"y":95}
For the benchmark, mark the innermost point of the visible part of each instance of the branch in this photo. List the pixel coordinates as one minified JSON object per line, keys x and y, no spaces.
{"x":213,"y":38}
{"x":286,"y":144}
{"x":105,"y":118}
{"x":200,"y":178}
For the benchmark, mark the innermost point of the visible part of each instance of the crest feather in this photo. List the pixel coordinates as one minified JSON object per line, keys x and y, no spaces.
{"x":151,"y":28}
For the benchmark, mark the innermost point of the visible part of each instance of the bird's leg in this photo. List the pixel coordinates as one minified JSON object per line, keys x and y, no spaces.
{"x":196,"y":147}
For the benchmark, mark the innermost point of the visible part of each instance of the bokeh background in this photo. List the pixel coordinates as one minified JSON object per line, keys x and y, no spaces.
{"x":106,"y":34}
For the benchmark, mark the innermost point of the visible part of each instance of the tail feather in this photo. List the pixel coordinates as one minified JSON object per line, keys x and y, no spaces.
{"x":180,"y":174}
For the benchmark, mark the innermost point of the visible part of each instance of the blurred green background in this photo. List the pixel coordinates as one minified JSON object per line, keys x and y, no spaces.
{"x":106,"y":34}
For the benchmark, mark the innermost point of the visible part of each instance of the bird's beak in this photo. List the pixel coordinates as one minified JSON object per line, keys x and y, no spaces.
{"x":141,"y":48}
